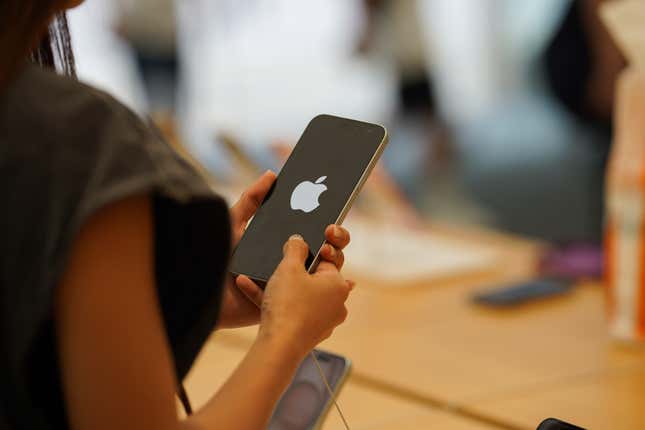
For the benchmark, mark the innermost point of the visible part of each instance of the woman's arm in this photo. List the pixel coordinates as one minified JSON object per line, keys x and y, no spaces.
{"x":115,"y":360}
{"x":249,"y":396}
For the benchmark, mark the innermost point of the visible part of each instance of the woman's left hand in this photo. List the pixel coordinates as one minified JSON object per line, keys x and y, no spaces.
{"x":237,"y":310}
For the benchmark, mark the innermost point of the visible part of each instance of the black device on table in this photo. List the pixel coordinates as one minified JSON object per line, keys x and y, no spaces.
{"x":305,"y":403}
{"x":556,"y":424}
{"x":315,"y":188}
{"x":523,"y":292}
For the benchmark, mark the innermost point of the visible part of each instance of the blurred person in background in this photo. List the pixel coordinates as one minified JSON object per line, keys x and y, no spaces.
{"x":526,"y":89}
{"x":150,"y":28}
{"x":129,"y":49}
{"x":495,"y":121}
{"x":582,"y":65}
{"x":113,"y":259}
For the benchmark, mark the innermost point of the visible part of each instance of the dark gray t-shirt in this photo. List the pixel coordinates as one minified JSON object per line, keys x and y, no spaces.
{"x":66,"y":151}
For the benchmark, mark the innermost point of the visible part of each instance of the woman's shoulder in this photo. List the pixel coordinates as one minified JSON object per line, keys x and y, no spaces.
{"x":43,"y":90}
{"x":42,"y":106}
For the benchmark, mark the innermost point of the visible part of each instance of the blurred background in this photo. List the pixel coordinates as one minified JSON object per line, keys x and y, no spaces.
{"x":500,"y":117}
{"x":499,"y":111}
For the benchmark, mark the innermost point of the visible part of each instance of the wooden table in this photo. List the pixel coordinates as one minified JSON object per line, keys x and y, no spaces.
{"x":427,"y":344}
{"x":611,"y":399}
{"x":365,"y":408}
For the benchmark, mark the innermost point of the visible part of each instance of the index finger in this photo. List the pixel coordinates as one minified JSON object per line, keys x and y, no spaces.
{"x":337,"y":236}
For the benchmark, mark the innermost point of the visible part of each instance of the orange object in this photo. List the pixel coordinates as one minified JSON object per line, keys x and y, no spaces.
{"x":625,"y":232}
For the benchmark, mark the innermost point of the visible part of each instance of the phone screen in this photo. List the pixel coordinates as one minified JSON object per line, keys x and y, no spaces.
{"x":306,"y":398}
{"x":311,"y":191}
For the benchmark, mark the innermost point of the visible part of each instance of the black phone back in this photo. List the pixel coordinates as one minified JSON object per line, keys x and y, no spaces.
{"x":311,"y":191}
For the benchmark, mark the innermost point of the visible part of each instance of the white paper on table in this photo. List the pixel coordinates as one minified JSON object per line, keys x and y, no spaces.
{"x":392,"y":253}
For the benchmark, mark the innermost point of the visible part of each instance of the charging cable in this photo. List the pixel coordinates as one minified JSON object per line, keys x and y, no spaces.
{"x":329,"y":390}
{"x":185,"y":401}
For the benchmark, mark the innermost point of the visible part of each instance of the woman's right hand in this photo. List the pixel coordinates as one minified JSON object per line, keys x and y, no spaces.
{"x":299,"y":309}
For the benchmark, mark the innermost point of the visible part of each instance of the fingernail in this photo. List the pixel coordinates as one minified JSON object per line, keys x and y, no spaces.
{"x":269,"y":171}
{"x":295,"y":237}
{"x":337,"y":233}
{"x":332,"y":251}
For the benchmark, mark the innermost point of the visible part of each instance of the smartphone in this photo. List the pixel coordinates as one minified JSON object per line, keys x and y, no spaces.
{"x":522,"y":293}
{"x":555,"y":424}
{"x":315,"y":188}
{"x":306,"y":401}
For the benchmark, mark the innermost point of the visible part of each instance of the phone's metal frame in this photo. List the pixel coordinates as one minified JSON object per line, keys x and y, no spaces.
{"x":343,"y":213}
{"x":355,"y":192}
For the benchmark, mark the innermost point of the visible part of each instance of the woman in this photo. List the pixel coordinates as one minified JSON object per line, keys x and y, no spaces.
{"x":113,"y":256}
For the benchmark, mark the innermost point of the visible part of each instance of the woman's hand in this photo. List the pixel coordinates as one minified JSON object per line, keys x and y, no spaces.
{"x":299,"y":310}
{"x":237,"y":310}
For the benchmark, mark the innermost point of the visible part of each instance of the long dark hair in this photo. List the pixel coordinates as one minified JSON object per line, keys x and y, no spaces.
{"x":55,"y":48}
{"x":36,"y":30}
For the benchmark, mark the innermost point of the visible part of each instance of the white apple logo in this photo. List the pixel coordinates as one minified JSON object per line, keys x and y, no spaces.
{"x":305,"y":195}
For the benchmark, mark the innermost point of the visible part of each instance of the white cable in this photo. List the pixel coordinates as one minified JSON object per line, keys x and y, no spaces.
{"x":322,"y":376}
{"x":331,"y":393}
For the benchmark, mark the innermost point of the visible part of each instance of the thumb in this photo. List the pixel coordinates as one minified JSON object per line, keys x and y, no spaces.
{"x":295,"y":251}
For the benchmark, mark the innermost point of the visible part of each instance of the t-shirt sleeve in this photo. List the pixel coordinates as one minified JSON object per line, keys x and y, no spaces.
{"x":192,"y":232}
{"x":91,"y":152}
